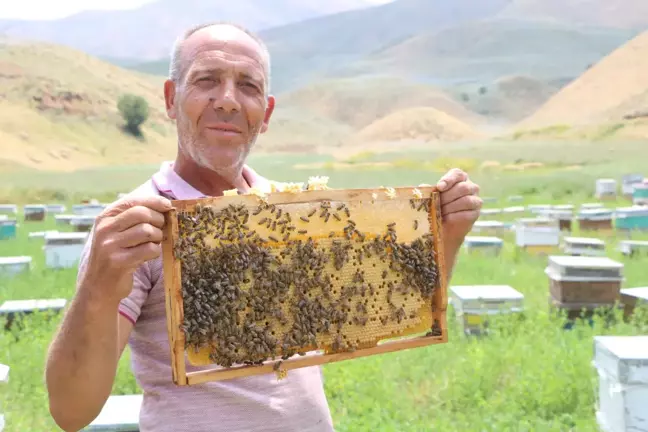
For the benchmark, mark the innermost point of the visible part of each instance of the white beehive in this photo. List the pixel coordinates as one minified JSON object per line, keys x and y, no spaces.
{"x":632,"y":247}
{"x":490,"y":212}
{"x":538,"y":208}
{"x":515,"y":198}
{"x":82,"y":223}
{"x":537,"y":232}
{"x":63,"y":250}
{"x":12,"y":266}
{"x":560,"y":215}
{"x":120,"y":413}
{"x":582,"y":246}
{"x":473,"y":304}
{"x":606,"y":188}
{"x":622,"y":365}
{"x":634,"y":296}
{"x":489,"y":200}
{"x":8,"y":209}
{"x":514,"y":210}
{"x":64,"y":219}
{"x":93,"y":209}
{"x":4,"y":217}
{"x":628,"y":182}
{"x":4,"y":379}
{"x":12,"y":307}
{"x":483,"y":244}
{"x":494,"y":227}
{"x":55,"y":208}
{"x":590,"y":206}
{"x":561,"y":207}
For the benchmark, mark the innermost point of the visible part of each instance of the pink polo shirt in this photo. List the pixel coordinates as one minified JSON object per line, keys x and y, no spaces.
{"x":256,"y":403}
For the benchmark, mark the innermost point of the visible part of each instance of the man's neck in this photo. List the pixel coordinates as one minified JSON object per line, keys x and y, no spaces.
{"x":207,"y":181}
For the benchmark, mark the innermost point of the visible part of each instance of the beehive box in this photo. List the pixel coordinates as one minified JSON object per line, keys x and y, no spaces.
{"x":581,"y":310}
{"x":563,"y":207}
{"x":595,"y":219}
{"x":628,"y":183}
{"x":12,"y":266}
{"x":591,"y":206}
{"x":55,"y":208}
{"x":34,"y":212}
{"x":83,"y":223}
{"x":640,"y":194}
{"x":631,"y":218}
{"x":11,"y":309}
{"x":490,"y":227}
{"x":8,"y":209}
{"x":513,"y":210}
{"x":251,"y":281}
{"x":39,"y":235}
{"x":633,"y":247}
{"x":119,"y":413}
{"x":582,"y":246}
{"x":483,"y":244}
{"x":563,"y":216}
{"x":8,"y":229}
{"x":474,"y":304}
{"x":622,"y":366}
{"x":515,"y":198}
{"x":574,"y":279}
{"x":532,"y":232}
{"x":90,"y":209}
{"x":63,"y":250}
{"x":490,"y":212}
{"x":64,"y":219}
{"x":538,"y":209}
{"x":632,"y":297}
{"x":606,"y":188}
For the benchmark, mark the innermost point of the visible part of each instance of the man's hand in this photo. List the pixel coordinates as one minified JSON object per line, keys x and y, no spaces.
{"x":460,"y":207}
{"x":126,"y":234}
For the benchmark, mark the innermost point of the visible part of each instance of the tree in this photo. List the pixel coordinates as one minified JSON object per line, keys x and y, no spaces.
{"x":135,"y":110}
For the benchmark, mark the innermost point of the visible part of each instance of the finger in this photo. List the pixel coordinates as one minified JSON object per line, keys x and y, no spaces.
{"x":452,"y":177}
{"x":139,"y":234}
{"x":466,"y":203}
{"x":136,"y":216}
{"x":154,"y":202}
{"x":468,"y":216}
{"x":459,"y":190}
{"x":135,"y":256}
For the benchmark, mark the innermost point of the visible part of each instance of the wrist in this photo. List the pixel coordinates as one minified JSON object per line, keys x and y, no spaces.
{"x":96,"y":299}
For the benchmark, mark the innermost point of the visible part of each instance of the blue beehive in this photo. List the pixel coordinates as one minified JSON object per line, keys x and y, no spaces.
{"x":640,"y":194}
{"x":632,"y":218}
{"x":7,"y":229}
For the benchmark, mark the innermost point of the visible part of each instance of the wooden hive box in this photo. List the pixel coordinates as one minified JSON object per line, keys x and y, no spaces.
{"x":329,"y":275}
{"x":576,"y":279}
{"x":595,"y":219}
{"x":633,"y":297}
{"x":35,"y":212}
{"x":582,"y":246}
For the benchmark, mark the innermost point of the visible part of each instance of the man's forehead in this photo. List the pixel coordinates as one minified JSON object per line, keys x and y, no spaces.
{"x":223,"y":38}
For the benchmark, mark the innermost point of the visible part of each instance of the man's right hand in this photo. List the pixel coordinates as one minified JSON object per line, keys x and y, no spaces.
{"x":126,"y":234}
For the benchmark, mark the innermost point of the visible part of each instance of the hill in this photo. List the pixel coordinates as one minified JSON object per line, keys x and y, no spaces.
{"x":58,"y":110}
{"x":416,"y":124}
{"x":612,"y":89}
{"x":483,"y":51}
{"x":609,"y":13}
{"x":357,"y":102}
{"x":121,"y":36}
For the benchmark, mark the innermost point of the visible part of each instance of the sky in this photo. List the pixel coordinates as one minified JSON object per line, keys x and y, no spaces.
{"x":53,"y":9}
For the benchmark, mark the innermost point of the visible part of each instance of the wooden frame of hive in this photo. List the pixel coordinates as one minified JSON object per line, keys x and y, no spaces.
{"x":376,"y":206}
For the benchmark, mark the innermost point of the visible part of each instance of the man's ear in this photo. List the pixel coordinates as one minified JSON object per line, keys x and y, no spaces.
{"x":268,"y":113}
{"x":169,"y":98}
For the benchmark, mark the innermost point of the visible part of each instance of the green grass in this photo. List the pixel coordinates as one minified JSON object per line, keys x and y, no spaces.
{"x":527,"y":375}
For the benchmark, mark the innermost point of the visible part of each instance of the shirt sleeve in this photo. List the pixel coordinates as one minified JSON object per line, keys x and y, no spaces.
{"x":131,"y":306}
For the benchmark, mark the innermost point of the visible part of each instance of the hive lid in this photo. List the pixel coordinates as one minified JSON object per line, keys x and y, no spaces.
{"x":563,"y":207}
{"x":120,"y":413}
{"x":488,"y":224}
{"x":591,"y":206}
{"x":640,"y":293}
{"x":491,"y":211}
{"x":635,"y":242}
{"x":632,"y":211}
{"x":486,"y":292}
{"x":8,"y":222}
{"x":633,"y":178}
{"x":15,"y":260}
{"x":65,"y":236}
{"x":514,"y":209}
{"x":584,"y":267}
{"x":584,"y":241}
{"x":483,"y":240}
{"x":13,"y":306}
{"x":625,"y":358}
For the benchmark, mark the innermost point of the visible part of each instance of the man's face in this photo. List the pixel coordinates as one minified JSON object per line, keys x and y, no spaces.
{"x":220,"y":104}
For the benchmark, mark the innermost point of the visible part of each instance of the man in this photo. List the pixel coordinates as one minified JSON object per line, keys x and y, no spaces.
{"x":218,"y":94}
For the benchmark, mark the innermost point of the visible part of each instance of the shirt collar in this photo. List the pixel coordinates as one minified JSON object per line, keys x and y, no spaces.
{"x":169,"y":183}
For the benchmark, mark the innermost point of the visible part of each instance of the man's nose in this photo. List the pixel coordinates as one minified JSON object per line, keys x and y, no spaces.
{"x":225,"y":97}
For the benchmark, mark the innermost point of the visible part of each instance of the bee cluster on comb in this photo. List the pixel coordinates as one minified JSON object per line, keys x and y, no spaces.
{"x":262,"y":279}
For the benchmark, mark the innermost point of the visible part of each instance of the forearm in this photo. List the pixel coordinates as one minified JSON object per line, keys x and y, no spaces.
{"x":82,"y":362}
{"x":451,"y":250}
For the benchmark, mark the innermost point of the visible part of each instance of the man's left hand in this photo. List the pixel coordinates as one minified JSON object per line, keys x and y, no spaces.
{"x":460,"y":206}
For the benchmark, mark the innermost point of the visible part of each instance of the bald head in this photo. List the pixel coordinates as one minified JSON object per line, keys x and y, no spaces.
{"x":218,"y":33}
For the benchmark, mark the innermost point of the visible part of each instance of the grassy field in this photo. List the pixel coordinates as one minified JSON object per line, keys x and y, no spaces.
{"x":528,"y":375}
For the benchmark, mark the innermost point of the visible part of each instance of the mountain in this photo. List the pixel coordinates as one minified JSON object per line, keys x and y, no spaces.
{"x":609,"y":13}
{"x":613,"y":89}
{"x":357,"y":102}
{"x":486,"y":50}
{"x":148,"y":32}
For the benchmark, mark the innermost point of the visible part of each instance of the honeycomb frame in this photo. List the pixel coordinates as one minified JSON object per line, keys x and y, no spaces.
{"x":382,"y":211}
